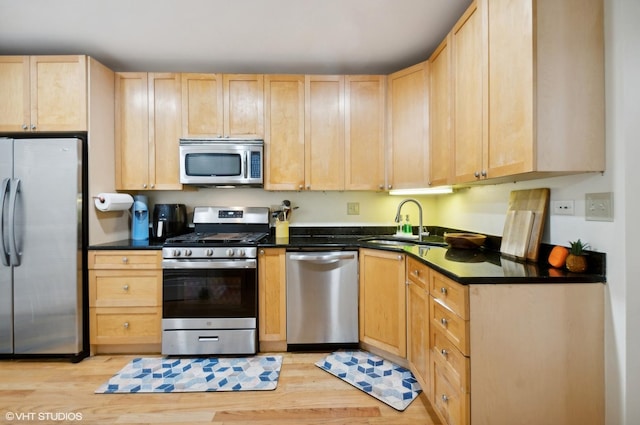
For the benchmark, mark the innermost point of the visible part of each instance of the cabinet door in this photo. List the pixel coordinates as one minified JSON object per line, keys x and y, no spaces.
{"x":408,"y":112}
{"x":469,"y":96}
{"x":132,"y":131}
{"x":164,"y":131}
{"x":418,"y":331}
{"x":272,"y":299}
{"x":364,"y":132}
{"x":59,"y":93}
{"x":243,"y":105}
{"x":383,"y":301}
{"x":284,"y":132}
{"x":202,"y":114}
{"x":324,"y":132}
{"x":440,"y":114}
{"x":14,"y":86}
{"x":511,"y":67}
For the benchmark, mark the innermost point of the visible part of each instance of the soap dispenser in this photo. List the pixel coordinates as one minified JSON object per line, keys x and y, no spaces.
{"x":407,"y":229}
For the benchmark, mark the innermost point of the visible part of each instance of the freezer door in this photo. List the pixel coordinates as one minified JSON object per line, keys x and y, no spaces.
{"x":6,"y":288}
{"x":48,"y":280}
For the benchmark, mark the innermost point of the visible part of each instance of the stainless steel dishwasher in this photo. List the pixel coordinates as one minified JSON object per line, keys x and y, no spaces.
{"x":322,"y":297}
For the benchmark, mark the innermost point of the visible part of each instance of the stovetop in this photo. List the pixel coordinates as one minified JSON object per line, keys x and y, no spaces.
{"x":216,"y":238}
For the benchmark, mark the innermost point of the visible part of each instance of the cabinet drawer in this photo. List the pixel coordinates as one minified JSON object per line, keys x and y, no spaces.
{"x":141,"y":325}
{"x":452,"y":404}
{"x":418,"y":272}
{"x":448,"y":356}
{"x":124,"y":288}
{"x":124,"y":260}
{"x":452,"y":294}
{"x":450,"y":324}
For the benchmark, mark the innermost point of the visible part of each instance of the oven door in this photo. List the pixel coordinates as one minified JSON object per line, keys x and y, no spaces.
{"x":209,"y":289}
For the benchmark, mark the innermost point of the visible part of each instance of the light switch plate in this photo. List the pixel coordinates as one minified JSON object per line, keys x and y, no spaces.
{"x":598,"y":206}
{"x":353,"y":208}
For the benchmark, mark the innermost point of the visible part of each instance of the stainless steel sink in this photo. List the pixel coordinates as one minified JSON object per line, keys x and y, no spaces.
{"x":391,"y":241}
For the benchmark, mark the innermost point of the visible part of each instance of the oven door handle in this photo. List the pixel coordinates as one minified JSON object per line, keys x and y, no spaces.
{"x":209,"y":264}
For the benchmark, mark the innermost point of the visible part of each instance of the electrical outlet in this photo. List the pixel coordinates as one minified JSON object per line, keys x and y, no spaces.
{"x":598,"y":206}
{"x":353,"y":208}
{"x":563,"y":207}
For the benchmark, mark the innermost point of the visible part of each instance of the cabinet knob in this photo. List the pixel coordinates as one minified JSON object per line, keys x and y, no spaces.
{"x":444,"y":322}
{"x":445,"y":398}
{"x":152,"y":186}
{"x":308,"y":187}
{"x":262,"y":252}
{"x":400,"y":257}
{"x":444,"y":352}
{"x":484,"y":173}
{"x":25,"y":127}
{"x":125,"y":287}
{"x":125,"y":260}
{"x":126,"y":325}
{"x":300,"y":186}
{"x":390,"y":186}
{"x":144,"y":185}
{"x":381,"y":186}
{"x":416,"y":272}
{"x":476,"y":174}
{"x":443,"y":290}
{"x":33,"y":126}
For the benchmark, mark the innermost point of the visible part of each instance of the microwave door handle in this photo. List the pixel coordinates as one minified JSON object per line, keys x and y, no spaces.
{"x":246,"y":155}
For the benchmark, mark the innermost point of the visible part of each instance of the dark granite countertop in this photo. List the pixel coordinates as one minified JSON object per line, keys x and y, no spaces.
{"x":465,"y":266}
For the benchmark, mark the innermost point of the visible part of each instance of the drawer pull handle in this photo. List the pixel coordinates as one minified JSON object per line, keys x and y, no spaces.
{"x":125,"y":260}
{"x":416,"y":272}
{"x":126,"y":325}
{"x":125,"y":287}
{"x":443,"y":290}
{"x":445,"y":398}
{"x":444,"y":352}
{"x":444,"y":322}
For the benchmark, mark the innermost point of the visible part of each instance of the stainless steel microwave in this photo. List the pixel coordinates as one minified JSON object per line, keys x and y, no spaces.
{"x":221,"y":162}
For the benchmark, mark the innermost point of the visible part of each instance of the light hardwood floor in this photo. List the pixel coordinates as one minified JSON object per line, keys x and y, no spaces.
{"x":305,"y":395}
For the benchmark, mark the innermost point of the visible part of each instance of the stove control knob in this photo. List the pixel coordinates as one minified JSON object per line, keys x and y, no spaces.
{"x":176,"y":252}
{"x":241,"y":252}
{"x":208,"y":252}
{"x":187,"y":252}
{"x":230,"y":252}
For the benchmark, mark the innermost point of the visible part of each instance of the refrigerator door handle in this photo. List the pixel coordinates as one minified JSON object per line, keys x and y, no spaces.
{"x":13,"y":198}
{"x":3,"y":239}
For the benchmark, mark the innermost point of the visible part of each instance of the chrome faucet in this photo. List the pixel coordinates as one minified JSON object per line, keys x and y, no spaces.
{"x":399,"y":219}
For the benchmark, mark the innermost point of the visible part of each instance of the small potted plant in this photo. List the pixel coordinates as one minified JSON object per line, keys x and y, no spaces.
{"x":577,"y":260}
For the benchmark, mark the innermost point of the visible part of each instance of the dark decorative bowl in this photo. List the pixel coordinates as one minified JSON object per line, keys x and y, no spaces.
{"x":464,"y":240}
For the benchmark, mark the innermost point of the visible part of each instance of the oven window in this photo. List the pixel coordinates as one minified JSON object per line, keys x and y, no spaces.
{"x":213,"y":164}
{"x":213,"y":293}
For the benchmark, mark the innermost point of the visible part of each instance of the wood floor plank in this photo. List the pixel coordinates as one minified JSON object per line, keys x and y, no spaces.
{"x":306,"y":395}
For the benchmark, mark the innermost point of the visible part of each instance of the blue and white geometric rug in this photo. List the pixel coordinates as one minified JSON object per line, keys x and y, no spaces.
{"x":380,"y":378}
{"x":166,"y":375}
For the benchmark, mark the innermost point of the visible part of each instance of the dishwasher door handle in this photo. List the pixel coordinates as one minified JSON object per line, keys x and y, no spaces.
{"x":324,"y":259}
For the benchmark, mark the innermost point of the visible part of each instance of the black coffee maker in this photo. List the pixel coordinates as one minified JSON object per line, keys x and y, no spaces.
{"x":169,"y":220}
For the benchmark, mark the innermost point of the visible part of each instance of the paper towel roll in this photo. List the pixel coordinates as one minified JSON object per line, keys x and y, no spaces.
{"x":113,"y":201}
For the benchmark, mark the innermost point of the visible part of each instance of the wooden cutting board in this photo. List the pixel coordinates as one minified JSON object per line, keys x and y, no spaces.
{"x":536,"y":201}
{"x":517,"y":232}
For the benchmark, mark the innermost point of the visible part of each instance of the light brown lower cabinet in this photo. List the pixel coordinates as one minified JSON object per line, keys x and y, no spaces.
{"x":526,"y":354}
{"x":125,"y":300}
{"x":272,"y":299}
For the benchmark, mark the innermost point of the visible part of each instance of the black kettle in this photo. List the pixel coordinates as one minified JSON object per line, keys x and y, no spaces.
{"x":169,"y":220}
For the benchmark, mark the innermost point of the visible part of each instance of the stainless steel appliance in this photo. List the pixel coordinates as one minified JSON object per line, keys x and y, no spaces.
{"x":210,"y":283}
{"x":221,"y":162}
{"x":169,"y":220}
{"x":43,"y":216}
{"x":322,"y":297}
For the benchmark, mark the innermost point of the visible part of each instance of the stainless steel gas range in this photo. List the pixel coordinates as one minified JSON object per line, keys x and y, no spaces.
{"x":210,"y":283}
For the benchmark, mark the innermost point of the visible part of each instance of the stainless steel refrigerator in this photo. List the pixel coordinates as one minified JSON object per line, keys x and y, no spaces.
{"x":43,"y":233}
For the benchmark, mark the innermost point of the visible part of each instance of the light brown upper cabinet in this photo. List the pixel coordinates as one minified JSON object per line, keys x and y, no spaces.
{"x":440,"y":115}
{"x":243,"y":105}
{"x":43,"y":93}
{"x":469,"y":97}
{"x":284,"y":132}
{"x":202,"y":105}
{"x":222,"y":105}
{"x":539,"y":84}
{"x":364,"y":132}
{"x":148,"y":127}
{"x":408,"y":151}
{"x":324,"y":132}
